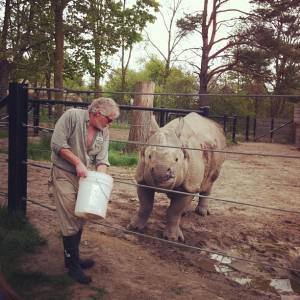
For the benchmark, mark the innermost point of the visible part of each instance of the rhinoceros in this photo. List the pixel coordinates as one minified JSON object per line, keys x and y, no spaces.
{"x":178,"y":168}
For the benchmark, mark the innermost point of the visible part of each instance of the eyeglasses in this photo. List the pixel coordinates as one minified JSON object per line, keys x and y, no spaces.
{"x":108,"y":119}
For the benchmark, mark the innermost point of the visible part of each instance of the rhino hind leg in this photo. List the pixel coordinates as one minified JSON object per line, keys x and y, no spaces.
{"x":202,"y":207}
{"x":177,"y":207}
{"x":146,"y":198}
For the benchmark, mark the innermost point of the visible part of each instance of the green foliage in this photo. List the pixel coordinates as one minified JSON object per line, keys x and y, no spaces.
{"x":114,"y":84}
{"x":99,"y":28}
{"x":30,"y":50}
{"x":178,"y":81}
{"x":270,"y":48}
{"x":94,"y":30}
{"x":153,"y":70}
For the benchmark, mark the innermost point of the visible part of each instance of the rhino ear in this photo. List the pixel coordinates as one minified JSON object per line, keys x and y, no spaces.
{"x":179,"y":128}
{"x":185,"y":152}
{"x":139,"y":172}
{"x":153,"y":126}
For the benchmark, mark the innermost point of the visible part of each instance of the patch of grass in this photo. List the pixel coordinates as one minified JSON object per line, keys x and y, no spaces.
{"x":119,"y":125}
{"x":40,"y":286}
{"x":40,"y":150}
{"x":117,"y":146}
{"x":3,"y":134}
{"x":178,"y":290}
{"x":17,"y":239}
{"x":118,"y":156}
{"x":122,"y":159}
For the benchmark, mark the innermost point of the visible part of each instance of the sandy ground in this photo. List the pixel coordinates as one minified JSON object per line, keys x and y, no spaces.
{"x":133,"y":267}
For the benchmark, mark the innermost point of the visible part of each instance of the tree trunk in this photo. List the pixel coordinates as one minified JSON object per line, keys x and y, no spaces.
{"x":49,"y":96}
{"x":203,"y":76}
{"x":4,"y":77}
{"x":58,"y":8}
{"x":97,"y":73}
{"x":141,"y":120}
{"x":203,"y":93}
{"x":4,"y":64}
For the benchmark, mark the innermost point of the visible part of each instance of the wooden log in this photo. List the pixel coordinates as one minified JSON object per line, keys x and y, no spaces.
{"x":141,"y":120}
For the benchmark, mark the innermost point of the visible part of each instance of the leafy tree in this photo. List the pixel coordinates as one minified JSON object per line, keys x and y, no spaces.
{"x":233,"y":82}
{"x":101,"y":28}
{"x":25,"y":51}
{"x":272,"y":54}
{"x":207,"y":23}
{"x":114,"y":84}
{"x":178,"y":81}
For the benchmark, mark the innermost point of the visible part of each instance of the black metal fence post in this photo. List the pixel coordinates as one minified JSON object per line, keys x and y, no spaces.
{"x":254,"y":128}
{"x":205,"y":110}
{"x":163,"y":118}
{"x":234,"y":124}
{"x":17,"y":153}
{"x":272,"y":130}
{"x":225,"y":117}
{"x":247,"y":127}
{"x":36,"y":118}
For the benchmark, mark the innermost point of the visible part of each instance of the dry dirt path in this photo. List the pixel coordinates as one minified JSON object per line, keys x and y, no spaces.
{"x":131,"y":267}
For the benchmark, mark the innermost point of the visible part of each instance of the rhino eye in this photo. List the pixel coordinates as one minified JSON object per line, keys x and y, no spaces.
{"x":149,"y":156}
{"x":176,"y":159}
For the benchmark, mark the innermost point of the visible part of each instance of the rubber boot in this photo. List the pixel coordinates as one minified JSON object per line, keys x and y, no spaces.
{"x":71,"y":253}
{"x":87,"y":262}
{"x":84,"y":263}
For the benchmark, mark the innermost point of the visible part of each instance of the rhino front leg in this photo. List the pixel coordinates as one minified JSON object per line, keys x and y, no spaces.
{"x":146,"y":198}
{"x":177,"y":207}
{"x":202,"y":207}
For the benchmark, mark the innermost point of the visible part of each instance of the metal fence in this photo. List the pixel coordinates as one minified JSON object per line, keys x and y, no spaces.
{"x":24,"y":110}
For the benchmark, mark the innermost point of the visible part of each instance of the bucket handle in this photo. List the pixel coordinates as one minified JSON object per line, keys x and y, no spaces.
{"x":100,"y":185}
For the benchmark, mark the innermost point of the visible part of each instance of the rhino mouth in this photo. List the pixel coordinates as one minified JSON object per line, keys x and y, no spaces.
{"x":164,"y":181}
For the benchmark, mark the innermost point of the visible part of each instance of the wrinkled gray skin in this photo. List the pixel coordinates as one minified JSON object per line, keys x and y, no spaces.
{"x":191,"y":171}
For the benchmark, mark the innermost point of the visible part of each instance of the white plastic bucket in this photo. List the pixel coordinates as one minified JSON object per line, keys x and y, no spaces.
{"x":93,"y":195}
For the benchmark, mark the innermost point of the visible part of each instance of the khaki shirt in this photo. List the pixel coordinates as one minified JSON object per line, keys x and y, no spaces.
{"x":71,"y":132}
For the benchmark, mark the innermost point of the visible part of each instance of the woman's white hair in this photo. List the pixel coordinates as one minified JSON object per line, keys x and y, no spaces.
{"x":106,"y":106}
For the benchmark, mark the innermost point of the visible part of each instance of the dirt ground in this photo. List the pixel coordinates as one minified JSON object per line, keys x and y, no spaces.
{"x":134,"y":267}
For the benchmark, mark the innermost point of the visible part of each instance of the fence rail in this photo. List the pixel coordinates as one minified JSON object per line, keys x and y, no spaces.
{"x":19,"y":104}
